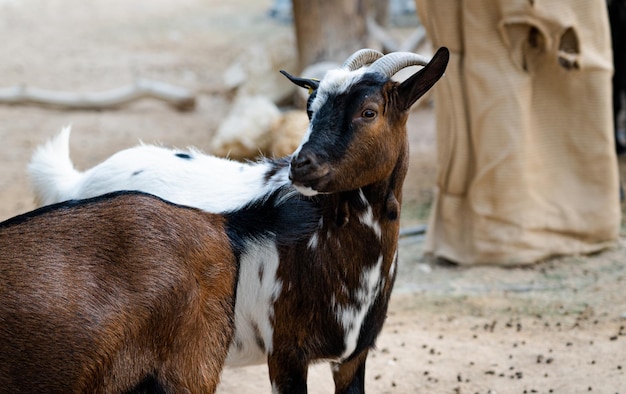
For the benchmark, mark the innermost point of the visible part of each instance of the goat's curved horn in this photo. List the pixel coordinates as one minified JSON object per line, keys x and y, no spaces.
{"x":391,"y":63}
{"x":361,"y":58}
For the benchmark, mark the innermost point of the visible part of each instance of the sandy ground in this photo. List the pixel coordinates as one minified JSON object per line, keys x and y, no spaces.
{"x":557,"y":327}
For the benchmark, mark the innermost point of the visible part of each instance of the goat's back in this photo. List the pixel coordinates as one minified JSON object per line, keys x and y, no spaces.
{"x":101,"y":294}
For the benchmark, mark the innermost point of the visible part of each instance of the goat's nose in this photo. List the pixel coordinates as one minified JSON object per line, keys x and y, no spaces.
{"x":304,"y":166}
{"x":303,"y":160}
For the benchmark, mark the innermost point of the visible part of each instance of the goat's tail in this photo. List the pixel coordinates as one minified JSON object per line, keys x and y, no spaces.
{"x":51,"y":170}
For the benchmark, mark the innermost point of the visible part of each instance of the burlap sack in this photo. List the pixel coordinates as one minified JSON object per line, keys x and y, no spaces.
{"x":527,"y":167}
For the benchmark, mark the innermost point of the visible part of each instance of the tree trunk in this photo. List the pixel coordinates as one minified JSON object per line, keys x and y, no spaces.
{"x":329,"y":30}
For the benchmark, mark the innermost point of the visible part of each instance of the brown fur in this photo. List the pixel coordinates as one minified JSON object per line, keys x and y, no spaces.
{"x":103,"y":295}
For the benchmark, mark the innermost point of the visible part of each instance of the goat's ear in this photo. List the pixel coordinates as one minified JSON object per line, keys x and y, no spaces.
{"x":307,"y":83}
{"x":419,"y":83}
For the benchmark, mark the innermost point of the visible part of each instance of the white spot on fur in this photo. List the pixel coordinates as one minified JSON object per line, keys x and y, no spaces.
{"x":367,"y":218}
{"x":362,"y":197}
{"x":312,"y":244}
{"x":254,"y":308}
{"x":351,"y":316}
{"x":305,"y":190}
{"x":335,"y":82}
{"x":394,"y":265}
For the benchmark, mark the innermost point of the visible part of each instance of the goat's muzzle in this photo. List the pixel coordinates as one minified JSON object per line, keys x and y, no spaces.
{"x":308,"y":174}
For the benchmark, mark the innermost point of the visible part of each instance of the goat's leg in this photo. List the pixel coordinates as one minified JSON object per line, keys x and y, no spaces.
{"x":349,"y":376}
{"x":288,"y":373}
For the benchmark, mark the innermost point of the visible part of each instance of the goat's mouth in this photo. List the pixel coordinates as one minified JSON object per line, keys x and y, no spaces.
{"x":310,"y":181}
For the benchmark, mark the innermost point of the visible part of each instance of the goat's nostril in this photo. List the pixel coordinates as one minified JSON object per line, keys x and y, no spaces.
{"x":302,"y":161}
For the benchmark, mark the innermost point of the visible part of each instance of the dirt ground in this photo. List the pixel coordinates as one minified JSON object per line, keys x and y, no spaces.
{"x":556,"y":327}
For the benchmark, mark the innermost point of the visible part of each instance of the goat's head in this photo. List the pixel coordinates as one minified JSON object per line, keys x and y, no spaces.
{"x":358,"y":120}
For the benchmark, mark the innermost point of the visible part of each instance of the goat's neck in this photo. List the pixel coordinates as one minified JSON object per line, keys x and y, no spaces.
{"x":383,"y":197}
{"x":360,"y":229}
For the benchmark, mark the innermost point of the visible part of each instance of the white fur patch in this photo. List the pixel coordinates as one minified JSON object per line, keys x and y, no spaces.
{"x":335,"y":82}
{"x":394,"y":265}
{"x":313,"y":241}
{"x":305,"y":190}
{"x":254,"y":309}
{"x":367,"y":218}
{"x":207,"y":182}
{"x":350,"y":316}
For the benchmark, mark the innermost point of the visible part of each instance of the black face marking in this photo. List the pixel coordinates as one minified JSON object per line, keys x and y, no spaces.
{"x":331,"y":125}
{"x":185,"y":156}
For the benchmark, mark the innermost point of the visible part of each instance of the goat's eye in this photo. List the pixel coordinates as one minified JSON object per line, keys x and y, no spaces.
{"x":369,"y":114}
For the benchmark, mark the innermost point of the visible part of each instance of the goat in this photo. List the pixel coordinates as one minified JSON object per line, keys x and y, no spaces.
{"x":125,"y":292}
{"x":323,"y":298}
